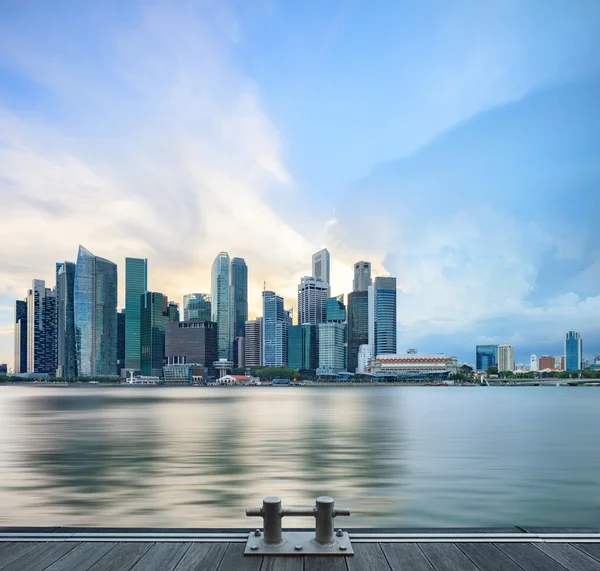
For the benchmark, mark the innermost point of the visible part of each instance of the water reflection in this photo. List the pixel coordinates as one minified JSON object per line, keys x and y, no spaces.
{"x":193,"y":457}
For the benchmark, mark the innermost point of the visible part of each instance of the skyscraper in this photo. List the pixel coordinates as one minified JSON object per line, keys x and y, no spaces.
{"x":253,"y":343}
{"x":320,"y":266}
{"x":358,"y":326}
{"x":486,"y":356}
{"x":221,"y":304}
{"x":20,"y":336}
{"x":154,"y":316}
{"x":67,"y":356}
{"x":239,"y":294}
{"x":172,"y":310}
{"x":312,"y":301}
{"x":136,"y":283}
{"x":362,"y":276}
{"x":95,"y":315}
{"x":120,"y":341}
{"x":335,"y":310}
{"x":302,"y":347}
{"x":332,"y":338}
{"x":506,"y":358}
{"x":573,"y":351}
{"x":189,"y":342}
{"x":384,"y":292}
{"x":197,"y":306}
{"x":276,"y":321}
{"x":41,"y":329}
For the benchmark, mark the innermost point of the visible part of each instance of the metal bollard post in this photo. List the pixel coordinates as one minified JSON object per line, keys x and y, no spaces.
{"x":325,"y":513}
{"x":271,"y":513}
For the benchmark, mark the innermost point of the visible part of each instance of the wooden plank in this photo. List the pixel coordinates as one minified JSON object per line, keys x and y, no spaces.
{"x":325,"y":563}
{"x":13,"y":551}
{"x":234,"y":559}
{"x":367,"y":557}
{"x":405,"y":556}
{"x":162,"y":557}
{"x":488,"y":557}
{"x":592,"y":549}
{"x":447,"y":557}
{"x":83,"y":556}
{"x":569,"y":556}
{"x":204,"y":556}
{"x":40,"y":557}
{"x":122,"y":558}
{"x":274,"y":563}
{"x":529,"y":558}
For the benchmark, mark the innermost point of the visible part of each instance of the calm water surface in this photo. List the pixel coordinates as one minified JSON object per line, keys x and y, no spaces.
{"x":400,"y":457}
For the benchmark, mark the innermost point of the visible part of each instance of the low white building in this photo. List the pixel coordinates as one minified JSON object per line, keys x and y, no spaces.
{"x":413,"y":365}
{"x":365,"y":352}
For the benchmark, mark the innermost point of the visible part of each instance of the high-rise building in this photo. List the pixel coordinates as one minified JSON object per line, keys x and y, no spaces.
{"x":197,"y":306}
{"x":573,"y":351}
{"x":486,"y":356}
{"x":239,"y":295}
{"x":120,"y":341}
{"x":276,"y":321}
{"x":332,"y":350}
{"x":20,"y":337}
{"x":335,"y":310}
{"x":547,"y":362}
{"x":362,"y":276}
{"x":320,"y":266}
{"x":506,"y":358}
{"x":302,"y":347}
{"x":95,"y":315}
{"x":41,"y":329}
{"x":154,"y":316}
{"x":136,"y":284}
{"x":365,"y":353}
{"x":312,"y":301}
{"x":67,"y":355}
{"x":191,"y":342}
{"x":384,"y":325}
{"x":172,"y":311}
{"x":221,"y":304}
{"x":253,"y":343}
{"x":358,"y":325}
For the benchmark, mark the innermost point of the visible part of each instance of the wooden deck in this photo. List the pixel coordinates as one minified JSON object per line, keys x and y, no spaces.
{"x":516,"y":549}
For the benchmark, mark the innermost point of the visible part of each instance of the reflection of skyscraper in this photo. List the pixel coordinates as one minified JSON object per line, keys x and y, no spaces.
{"x":95,"y":288}
{"x":320,"y":266}
{"x":276,"y":321}
{"x":20,"y":337}
{"x":573,"y":351}
{"x":67,"y":357}
{"x":41,"y":329}
{"x":362,"y":276}
{"x":136,"y":283}
{"x":384,"y":292}
{"x":196,"y":306}
{"x":154,"y":316}
{"x":312,"y":301}
{"x":221,"y":304}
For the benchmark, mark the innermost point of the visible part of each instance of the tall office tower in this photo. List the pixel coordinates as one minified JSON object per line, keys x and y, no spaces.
{"x":486,"y":356}
{"x":506,"y":358}
{"x":312,"y":301}
{"x":573,"y":351}
{"x":153,"y":319}
{"x":120,"y":341}
{"x":136,"y":284}
{"x":196,"y":306}
{"x":221,"y":304}
{"x":335,"y":310}
{"x":191,"y":342}
{"x":302,"y":347}
{"x":20,"y":337}
{"x":362,"y":276}
{"x":41,"y":329}
{"x":384,"y":324}
{"x":320,"y":266}
{"x":172,"y":310}
{"x":239,"y":295}
{"x":332,"y":351}
{"x":276,"y":321}
{"x":96,"y":315}
{"x":358,"y":326}
{"x":67,"y":355}
{"x":253,"y":343}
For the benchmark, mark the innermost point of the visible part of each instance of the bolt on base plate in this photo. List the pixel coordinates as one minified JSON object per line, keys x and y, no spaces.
{"x":299,"y":543}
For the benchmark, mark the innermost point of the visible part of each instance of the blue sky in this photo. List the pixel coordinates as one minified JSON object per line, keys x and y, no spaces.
{"x":455,"y":145}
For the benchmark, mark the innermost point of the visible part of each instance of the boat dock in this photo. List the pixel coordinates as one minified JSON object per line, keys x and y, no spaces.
{"x":93,"y":549}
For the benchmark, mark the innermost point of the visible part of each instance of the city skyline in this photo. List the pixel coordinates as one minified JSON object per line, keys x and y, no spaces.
{"x":173,"y":133}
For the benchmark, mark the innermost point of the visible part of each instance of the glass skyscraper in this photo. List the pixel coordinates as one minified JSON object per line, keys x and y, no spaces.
{"x":573,"y":351}
{"x":221,"y":304}
{"x":197,"y":307}
{"x":20,"y":336}
{"x":67,"y":356}
{"x":358,"y":326}
{"x":153,"y":318}
{"x":41,"y":329}
{"x":335,"y":310}
{"x":302,"y":347}
{"x":239,"y":294}
{"x":136,"y":284}
{"x":384,"y":290}
{"x":95,"y":315}
{"x":486,"y":356}
{"x":276,"y":321}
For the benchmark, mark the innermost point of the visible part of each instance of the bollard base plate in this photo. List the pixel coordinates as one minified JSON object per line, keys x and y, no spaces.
{"x":295,"y":539}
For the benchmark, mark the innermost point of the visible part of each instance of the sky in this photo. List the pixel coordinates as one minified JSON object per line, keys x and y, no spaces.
{"x":454,"y":145}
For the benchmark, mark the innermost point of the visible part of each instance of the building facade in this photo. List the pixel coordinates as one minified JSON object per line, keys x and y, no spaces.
{"x":67,"y":356}
{"x":533,"y":364}
{"x":41,"y":329}
{"x":335,"y":310}
{"x":312,"y":301}
{"x":20,"y":364}
{"x":253,"y":343}
{"x":573,"y":351}
{"x":413,"y":366}
{"x":362,"y":276}
{"x":153,"y":319}
{"x":191,"y":342}
{"x":302,"y":347}
{"x":547,"y":362}
{"x":136,"y":284}
{"x":486,"y":356}
{"x":332,"y":350}
{"x":197,"y":306}
{"x":384,"y":325}
{"x":221,"y":304}
{"x":365,"y":354}
{"x":506,"y":358}
{"x":320,"y":266}
{"x":358,"y":325}
{"x":95,"y":315}
{"x":172,"y":311}
{"x":239,"y":294}
{"x":276,"y":321}
{"x":120,"y":341}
